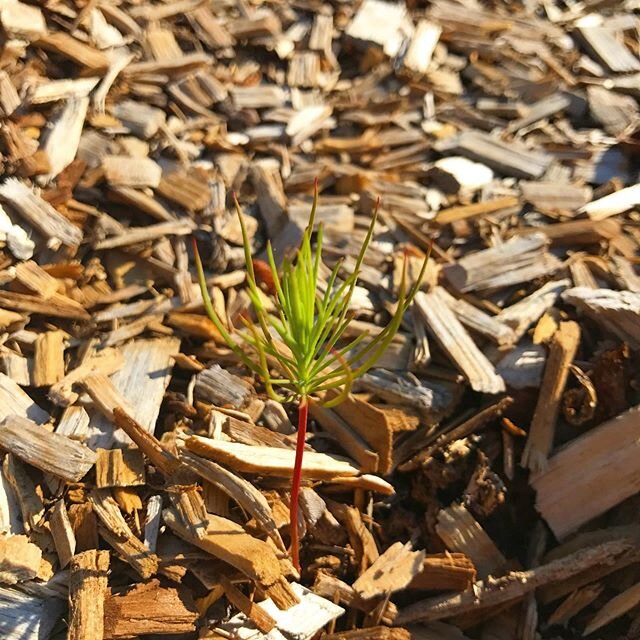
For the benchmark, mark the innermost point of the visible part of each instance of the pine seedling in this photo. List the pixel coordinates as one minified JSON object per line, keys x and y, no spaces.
{"x":299,"y":351}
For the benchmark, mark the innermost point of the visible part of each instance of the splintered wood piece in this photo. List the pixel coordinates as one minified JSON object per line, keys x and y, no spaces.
{"x":26,"y":617}
{"x":391,"y":572}
{"x":87,"y":591}
{"x":271,"y":197}
{"x":514,"y":585}
{"x":461,"y":532}
{"x":141,"y":201}
{"x":62,"y":533}
{"x":445,"y":572}
{"x":22,"y":21}
{"x":141,"y":383}
{"x":607,"y":457}
{"x":604,"y":45}
{"x":259,"y":97}
{"x":329,"y":586}
{"x":348,"y":438}
{"x":135,"y":235}
{"x":476,"y":210}
{"x":9,"y":98}
{"x":19,"y":559}
{"x":69,"y":47}
{"x":28,"y":495}
{"x":381,"y":633}
{"x":152,"y":522}
{"x":613,"y":204}
{"x":615,"y":608}
{"x":617,"y":311}
{"x":262,"y":620}
{"x":18,"y":368}
{"x":511,"y":158}
{"x":15,"y":402}
{"x":57,"y":305}
{"x":36,"y":279}
{"x":575,"y":603}
{"x":116,"y":532}
{"x":48,"y":362}
{"x":148,"y":609}
{"x":140,"y":118}
{"x":158,"y":455}
{"x":454,"y":339}
{"x":520,"y":259}
{"x":271,"y":461}
{"x":185,"y":189}
{"x":543,"y":424}
{"x":55,"y":90}
{"x":61,"y":144}
{"x":521,"y":315}
{"x":551,"y":196}
{"x":40,"y":214}
{"x":238,"y":489}
{"x":228,"y":541}
{"x":124,"y":171}
{"x":50,"y":452}
{"x":479,"y":321}
{"x":303,"y":620}
{"x":612,"y":110}
{"x":119,"y":468}
{"x":219,"y":387}
{"x":381,"y":23}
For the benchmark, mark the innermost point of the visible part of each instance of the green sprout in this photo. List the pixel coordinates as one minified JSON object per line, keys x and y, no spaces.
{"x":299,"y":350}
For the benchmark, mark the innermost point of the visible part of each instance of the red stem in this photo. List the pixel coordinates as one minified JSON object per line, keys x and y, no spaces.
{"x":303,"y":412}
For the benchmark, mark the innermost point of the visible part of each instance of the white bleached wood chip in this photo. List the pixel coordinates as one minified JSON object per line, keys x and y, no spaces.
{"x":613,"y":204}
{"x":61,"y":144}
{"x":25,"y":617}
{"x":15,"y":402}
{"x":17,"y":239}
{"x":299,"y":622}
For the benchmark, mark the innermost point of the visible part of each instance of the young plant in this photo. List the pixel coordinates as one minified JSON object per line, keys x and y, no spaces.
{"x":302,"y":341}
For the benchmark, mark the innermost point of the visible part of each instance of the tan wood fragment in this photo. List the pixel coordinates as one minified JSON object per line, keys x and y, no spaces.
{"x":148,"y":609}
{"x":256,"y":614}
{"x":607,"y":457}
{"x":158,"y":455}
{"x":455,"y":214}
{"x":541,"y":434}
{"x":30,"y":275}
{"x":87,"y":591}
{"x":72,"y":48}
{"x":575,"y":603}
{"x":58,"y":306}
{"x":28,"y":494}
{"x":271,"y":197}
{"x":52,"y":452}
{"x":461,"y":532}
{"x":19,"y":559}
{"x":117,"y":533}
{"x":15,"y":402}
{"x":48,"y":363}
{"x":119,"y":468}
{"x":62,"y":533}
{"x":237,"y":488}
{"x":391,"y":572}
{"x":228,"y":541}
{"x":374,"y":633}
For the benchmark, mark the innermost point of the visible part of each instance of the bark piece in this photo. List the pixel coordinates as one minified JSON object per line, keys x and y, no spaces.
{"x":51,"y":452}
{"x":607,"y":457}
{"x":148,"y":609}
{"x":543,"y":425}
{"x":455,"y":340}
{"x":461,"y":532}
{"x":87,"y":591}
